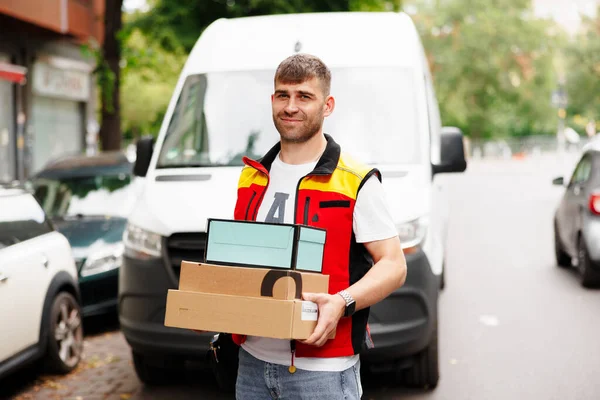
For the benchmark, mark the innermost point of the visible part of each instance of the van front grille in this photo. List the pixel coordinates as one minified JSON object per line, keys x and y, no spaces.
{"x":187,"y":246}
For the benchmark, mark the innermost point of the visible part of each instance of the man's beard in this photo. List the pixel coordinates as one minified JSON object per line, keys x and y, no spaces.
{"x":301,"y":134}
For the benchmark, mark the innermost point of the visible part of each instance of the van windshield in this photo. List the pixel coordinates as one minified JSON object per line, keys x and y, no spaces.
{"x":222,"y":116}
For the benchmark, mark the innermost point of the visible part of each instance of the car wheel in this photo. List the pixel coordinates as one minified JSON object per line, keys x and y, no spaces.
{"x":589,"y":277}
{"x":152,"y":374}
{"x":562,"y":258}
{"x":65,"y":339}
{"x":424,"y":372}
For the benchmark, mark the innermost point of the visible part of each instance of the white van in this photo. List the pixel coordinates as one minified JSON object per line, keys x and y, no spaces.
{"x":386,"y":115}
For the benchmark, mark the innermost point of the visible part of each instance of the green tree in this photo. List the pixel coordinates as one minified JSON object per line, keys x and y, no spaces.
{"x":492,"y":65}
{"x":583,"y":73}
{"x":149,"y":77}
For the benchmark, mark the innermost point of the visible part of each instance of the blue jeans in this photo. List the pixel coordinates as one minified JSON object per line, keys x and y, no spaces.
{"x":258,"y":380}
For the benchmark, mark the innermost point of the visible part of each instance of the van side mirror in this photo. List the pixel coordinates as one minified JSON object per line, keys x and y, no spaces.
{"x":144,"y":149}
{"x":452,"y":151}
{"x":560,"y":181}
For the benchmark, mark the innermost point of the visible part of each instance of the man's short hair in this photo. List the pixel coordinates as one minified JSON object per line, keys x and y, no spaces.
{"x":302,"y":67}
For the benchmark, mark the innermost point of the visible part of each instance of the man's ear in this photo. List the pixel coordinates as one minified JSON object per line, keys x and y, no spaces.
{"x":329,"y":105}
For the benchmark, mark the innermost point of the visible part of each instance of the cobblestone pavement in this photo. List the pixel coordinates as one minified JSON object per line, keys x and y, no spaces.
{"x":106,"y":372}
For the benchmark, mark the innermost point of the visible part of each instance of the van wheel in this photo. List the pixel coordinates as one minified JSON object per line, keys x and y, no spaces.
{"x":65,"y":334}
{"x":589,"y":277}
{"x":425,"y":372}
{"x":562,"y":258}
{"x":153,"y":375}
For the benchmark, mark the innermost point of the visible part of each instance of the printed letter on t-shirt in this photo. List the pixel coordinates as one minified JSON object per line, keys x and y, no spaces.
{"x":278,"y":207}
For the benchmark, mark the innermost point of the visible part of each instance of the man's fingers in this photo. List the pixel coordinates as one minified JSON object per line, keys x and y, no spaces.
{"x":314,"y":297}
{"x":317,"y":334}
{"x":323,"y":339}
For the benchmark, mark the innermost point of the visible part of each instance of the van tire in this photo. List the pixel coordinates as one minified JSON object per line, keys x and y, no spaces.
{"x":424,"y":372}
{"x":153,"y":375}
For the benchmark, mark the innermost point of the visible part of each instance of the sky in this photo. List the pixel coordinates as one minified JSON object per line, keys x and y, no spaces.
{"x":566,"y":12}
{"x":131,"y":5}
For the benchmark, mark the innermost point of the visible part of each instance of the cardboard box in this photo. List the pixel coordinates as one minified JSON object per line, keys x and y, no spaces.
{"x":250,"y":282}
{"x":249,"y":301}
{"x":264,"y":245}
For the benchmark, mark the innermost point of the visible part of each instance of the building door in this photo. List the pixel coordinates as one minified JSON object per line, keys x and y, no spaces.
{"x":60,"y":91}
{"x":57,"y":129}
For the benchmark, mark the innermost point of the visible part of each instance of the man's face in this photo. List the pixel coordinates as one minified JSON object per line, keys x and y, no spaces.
{"x":299,"y":109}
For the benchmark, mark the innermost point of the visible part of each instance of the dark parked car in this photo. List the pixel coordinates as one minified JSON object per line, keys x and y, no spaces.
{"x":577,"y":219}
{"x":88,"y":198}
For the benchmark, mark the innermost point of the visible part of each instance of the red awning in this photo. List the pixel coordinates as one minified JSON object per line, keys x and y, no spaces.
{"x":13,"y":73}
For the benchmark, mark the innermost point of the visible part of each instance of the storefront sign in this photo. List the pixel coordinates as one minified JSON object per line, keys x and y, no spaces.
{"x":51,"y":81}
{"x":12,"y":73}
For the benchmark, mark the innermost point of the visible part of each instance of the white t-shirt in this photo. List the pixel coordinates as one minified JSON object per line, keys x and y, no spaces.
{"x":372,"y":221}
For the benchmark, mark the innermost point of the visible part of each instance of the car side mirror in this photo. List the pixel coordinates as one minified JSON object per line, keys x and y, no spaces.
{"x":144,"y":149}
{"x":452,"y":151}
{"x":560,"y":181}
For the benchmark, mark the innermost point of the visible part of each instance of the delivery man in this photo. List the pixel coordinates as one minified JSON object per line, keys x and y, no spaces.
{"x":307,"y":179}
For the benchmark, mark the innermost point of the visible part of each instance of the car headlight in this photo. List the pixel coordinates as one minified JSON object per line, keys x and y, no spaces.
{"x":412,"y":233}
{"x":109,"y":258}
{"x":140,"y":243}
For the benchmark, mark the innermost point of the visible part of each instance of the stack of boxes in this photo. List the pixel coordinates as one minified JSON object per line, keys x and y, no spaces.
{"x":252,"y":281}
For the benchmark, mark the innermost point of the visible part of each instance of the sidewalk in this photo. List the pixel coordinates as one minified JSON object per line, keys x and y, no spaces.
{"x":106,"y":372}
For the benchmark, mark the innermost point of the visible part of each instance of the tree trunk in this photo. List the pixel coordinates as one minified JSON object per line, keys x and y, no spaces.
{"x":110,"y":129}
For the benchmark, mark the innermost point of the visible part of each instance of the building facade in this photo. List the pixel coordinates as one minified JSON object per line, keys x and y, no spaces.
{"x":47,"y":95}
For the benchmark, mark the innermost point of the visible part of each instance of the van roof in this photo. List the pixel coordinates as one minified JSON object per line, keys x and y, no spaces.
{"x":340,"y":39}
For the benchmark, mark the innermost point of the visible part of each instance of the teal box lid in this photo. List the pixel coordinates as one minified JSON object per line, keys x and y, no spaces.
{"x":265,"y":245}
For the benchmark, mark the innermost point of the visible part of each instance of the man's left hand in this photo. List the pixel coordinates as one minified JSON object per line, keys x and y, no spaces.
{"x":331,"y":309}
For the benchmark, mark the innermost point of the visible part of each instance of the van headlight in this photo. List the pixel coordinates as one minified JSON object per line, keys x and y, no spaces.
{"x":109,"y":258}
{"x":413,"y":233}
{"x":140,"y":243}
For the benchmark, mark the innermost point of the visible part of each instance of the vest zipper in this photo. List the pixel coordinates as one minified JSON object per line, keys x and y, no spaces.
{"x":249,"y":204}
{"x":306,"y":207}
{"x":292,"y":367}
{"x":296,"y":199}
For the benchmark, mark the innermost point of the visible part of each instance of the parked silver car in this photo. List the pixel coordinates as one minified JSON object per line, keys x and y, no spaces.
{"x":577,"y":219}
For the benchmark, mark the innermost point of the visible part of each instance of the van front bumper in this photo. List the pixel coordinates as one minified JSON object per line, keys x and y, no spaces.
{"x":402,"y":324}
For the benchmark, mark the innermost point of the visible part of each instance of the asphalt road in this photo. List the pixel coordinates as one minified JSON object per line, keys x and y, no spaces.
{"x":512,"y":324}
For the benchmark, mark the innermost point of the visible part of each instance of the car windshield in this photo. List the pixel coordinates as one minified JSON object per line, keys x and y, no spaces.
{"x":221,"y":117}
{"x":103,"y":195}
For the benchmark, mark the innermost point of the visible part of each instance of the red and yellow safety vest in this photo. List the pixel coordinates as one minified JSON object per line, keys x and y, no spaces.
{"x":325,"y":198}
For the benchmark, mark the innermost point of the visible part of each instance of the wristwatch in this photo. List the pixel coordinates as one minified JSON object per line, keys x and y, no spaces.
{"x":350,"y":303}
